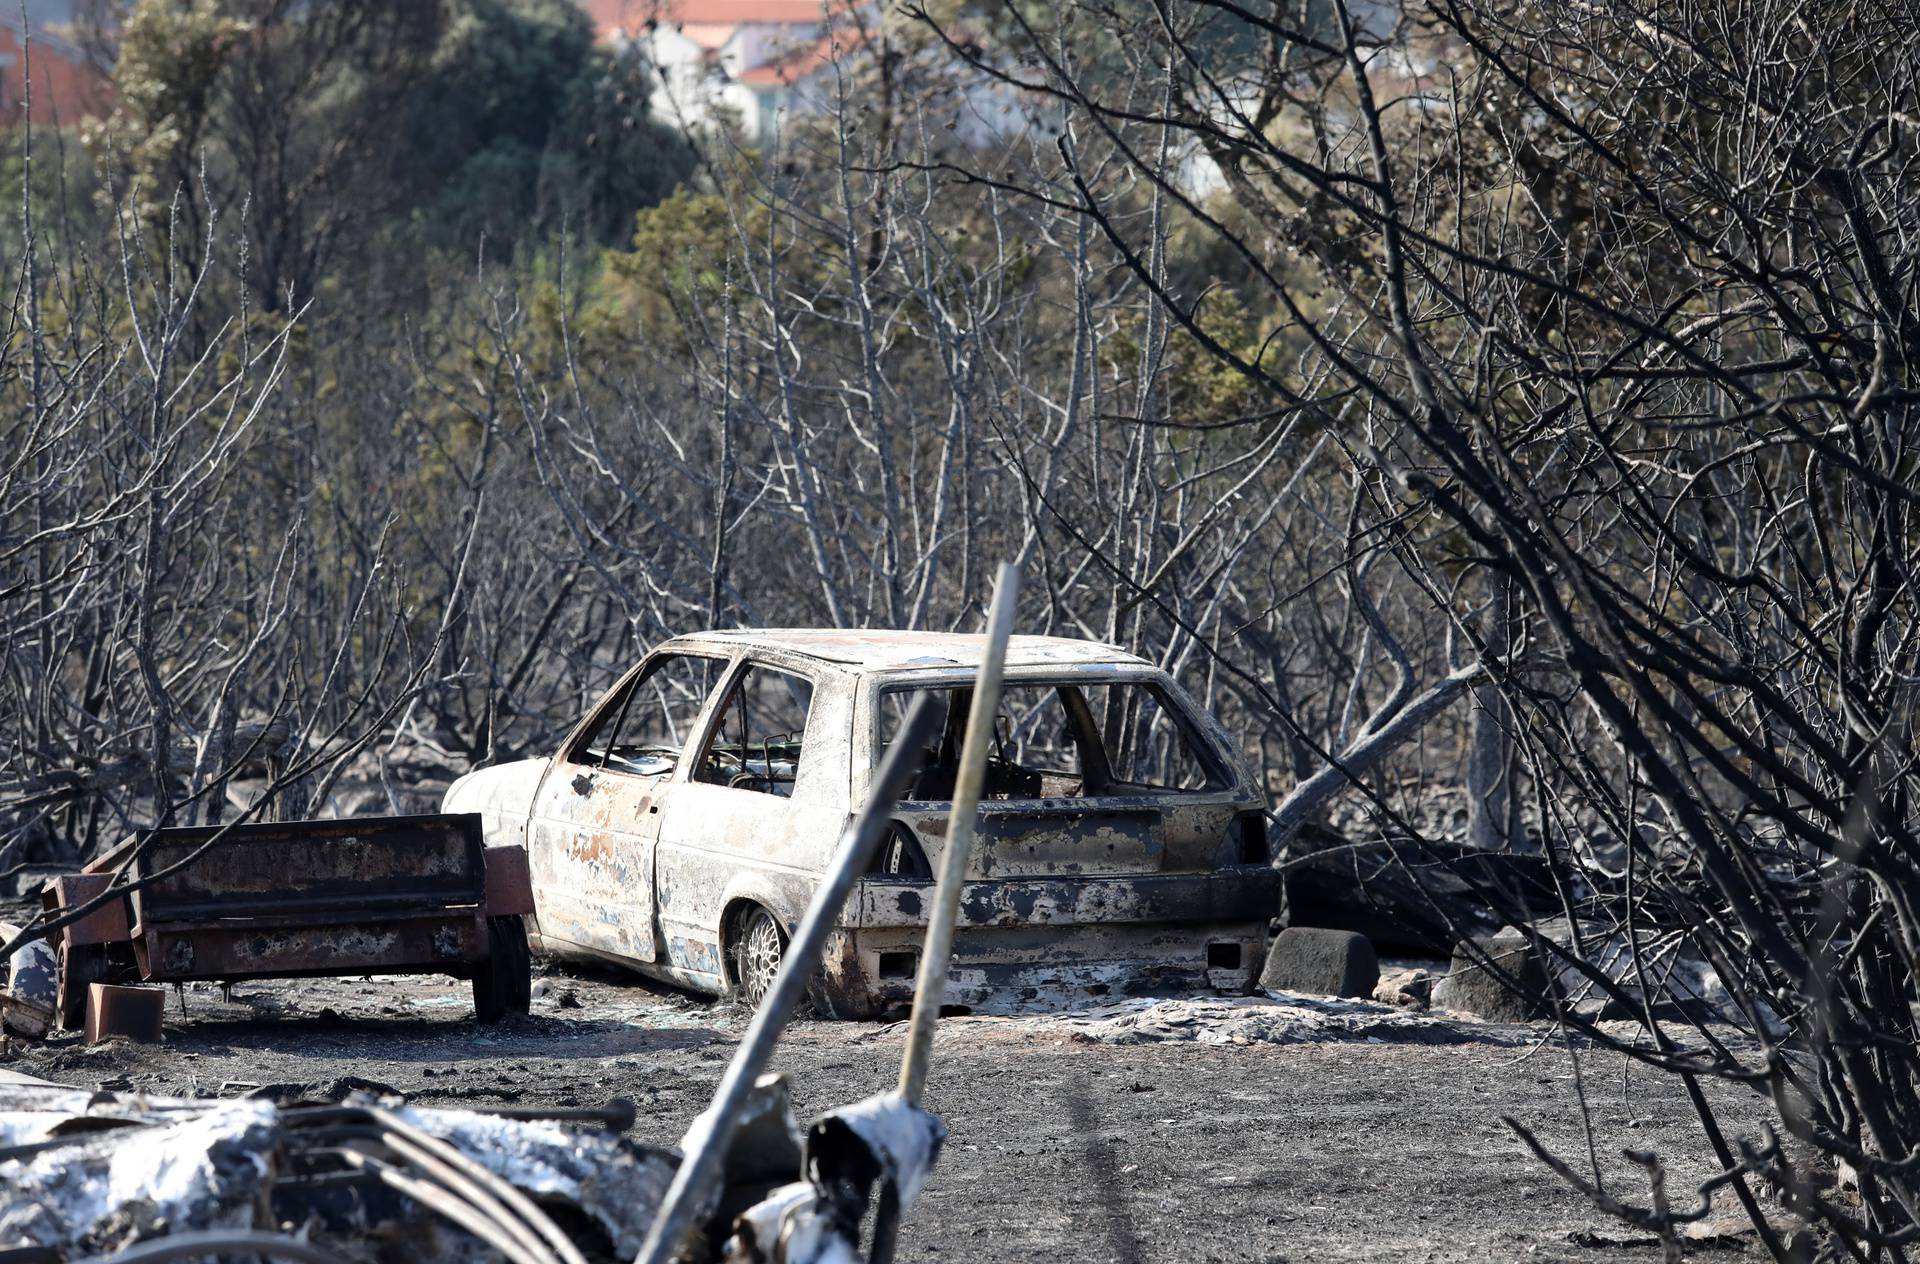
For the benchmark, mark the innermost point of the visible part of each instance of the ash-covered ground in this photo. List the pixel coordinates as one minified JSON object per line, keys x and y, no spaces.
{"x":1206,"y":1129}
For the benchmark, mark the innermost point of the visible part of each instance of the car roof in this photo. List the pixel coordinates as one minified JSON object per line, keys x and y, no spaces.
{"x":880,"y":649}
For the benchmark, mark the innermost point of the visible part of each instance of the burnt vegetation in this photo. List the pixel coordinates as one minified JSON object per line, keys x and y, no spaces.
{"x":1502,"y":415}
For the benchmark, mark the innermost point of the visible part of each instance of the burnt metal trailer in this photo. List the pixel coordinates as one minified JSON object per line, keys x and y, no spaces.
{"x":369,"y":895}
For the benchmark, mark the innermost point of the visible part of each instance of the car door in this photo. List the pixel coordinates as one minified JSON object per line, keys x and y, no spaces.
{"x":597,"y":816}
{"x":757,"y":813}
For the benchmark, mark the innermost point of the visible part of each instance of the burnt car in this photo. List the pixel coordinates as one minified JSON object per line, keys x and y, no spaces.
{"x":684,"y":823}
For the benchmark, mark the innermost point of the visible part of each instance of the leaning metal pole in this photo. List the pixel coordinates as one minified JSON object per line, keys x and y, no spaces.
{"x":930,"y":989}
{"x":708,"y":1138}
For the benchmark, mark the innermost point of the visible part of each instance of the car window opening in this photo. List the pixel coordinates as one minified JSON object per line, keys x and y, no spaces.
{"x":642,"y":732}
{"x":1060,"y":741}
{"x":901,"y":856}
{"x":758,"y":733}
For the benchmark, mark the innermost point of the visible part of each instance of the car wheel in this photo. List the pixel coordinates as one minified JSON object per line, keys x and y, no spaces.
{"x":758,"y":951}
{"x":503,"y":983}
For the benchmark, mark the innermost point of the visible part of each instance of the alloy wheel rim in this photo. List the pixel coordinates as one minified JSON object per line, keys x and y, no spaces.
{"x":760,"y":959}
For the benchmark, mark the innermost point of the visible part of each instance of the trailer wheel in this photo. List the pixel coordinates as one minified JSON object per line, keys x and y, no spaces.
{"x":80,"y":964}
{"x":503,"y":983}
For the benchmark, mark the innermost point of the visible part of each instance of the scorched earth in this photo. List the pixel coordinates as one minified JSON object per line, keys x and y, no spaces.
{"x":1243,"y":1129}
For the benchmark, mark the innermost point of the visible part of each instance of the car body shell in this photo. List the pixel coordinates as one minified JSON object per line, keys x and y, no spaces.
{"x":1080,"y":896}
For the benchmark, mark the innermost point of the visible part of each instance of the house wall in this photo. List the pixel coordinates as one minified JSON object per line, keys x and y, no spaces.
{"x":693,"y":89}
{"x":66,"y":88}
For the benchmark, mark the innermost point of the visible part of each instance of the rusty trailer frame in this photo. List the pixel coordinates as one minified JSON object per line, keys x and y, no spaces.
{"x":386,"y":895}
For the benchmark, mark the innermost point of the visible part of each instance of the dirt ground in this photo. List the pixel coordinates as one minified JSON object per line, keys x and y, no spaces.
{"x":1203,"y":1130}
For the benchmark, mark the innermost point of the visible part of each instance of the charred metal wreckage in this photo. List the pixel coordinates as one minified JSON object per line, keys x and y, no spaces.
{"x":684,"y":823}
{"x":687,"y":819}
{"x":90,"y":1176}
{"x":388,"y":895}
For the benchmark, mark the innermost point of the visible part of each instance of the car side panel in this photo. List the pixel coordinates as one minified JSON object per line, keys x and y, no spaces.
{"x":719,"y":844}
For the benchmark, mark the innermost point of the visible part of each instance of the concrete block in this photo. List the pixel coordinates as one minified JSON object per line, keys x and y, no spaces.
{"x":1472,"y":989}
{"x":1321,"y":963}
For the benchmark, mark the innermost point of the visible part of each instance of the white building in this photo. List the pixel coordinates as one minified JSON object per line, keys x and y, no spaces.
{"x":741,"y":61}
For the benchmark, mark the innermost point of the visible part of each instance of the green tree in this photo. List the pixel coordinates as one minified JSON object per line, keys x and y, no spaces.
{"x":522,"y":127}
{"x":366,"y":142}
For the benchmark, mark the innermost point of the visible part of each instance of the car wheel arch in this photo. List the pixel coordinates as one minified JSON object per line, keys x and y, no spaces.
{"x":785,"y":895}
{"x":786,"y":900}
{"x":739,"y":906}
